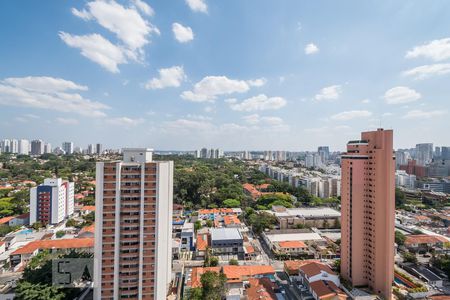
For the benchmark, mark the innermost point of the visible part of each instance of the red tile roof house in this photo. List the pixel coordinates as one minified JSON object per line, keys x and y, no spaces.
{"x":260,"y":289}
{"x":423,"y":242}
{"x":16,"y":220}
{"x":236,"y":275}
{"x":22,"y":256}
{"x":320,"y":280}
{"x":290,"y":247}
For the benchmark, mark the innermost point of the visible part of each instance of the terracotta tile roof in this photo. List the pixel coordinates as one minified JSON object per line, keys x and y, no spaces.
{"x":251,"y":189}
{"x":424,"y":239}
{"x":241,"y":273}
{"x":327,"y":290}
{"x":197,"y":274}
{"x":293,"y":266}
{"x":23,"y":216}
{"x":5,"y":220}
{"x":90,"y":228}
{"x":55,"y":244}
{"x":202,"y":242}
{"x":422,"y":218}
{"x":233,"y":273}
{"x":439,"y":297}
{"x":260,"y":288}
{"x":211,"y":211}
{"x":88,"y":207}
{"x":230,"y":220}
{"x":315,"y":268}
{"x":249,"y":249}
{"x":292,"y":244}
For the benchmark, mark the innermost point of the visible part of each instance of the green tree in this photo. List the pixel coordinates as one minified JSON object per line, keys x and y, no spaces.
{"x":410,"y":257}
{"x":213,"y":285}
{"x":195,"y":294}
{"x":30,"y":291}
{"x":400,"y":198}
{"x":399,"y":238}
{"x":197,"y":225}
{"x":232,"y":203}
{"x":209,"y":223}
{"x":233,"y":262}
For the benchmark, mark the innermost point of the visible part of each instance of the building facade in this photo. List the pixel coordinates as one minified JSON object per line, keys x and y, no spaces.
{"x":52,"y":201}
{"x":133,"y":246}
{"x":368,"y":212}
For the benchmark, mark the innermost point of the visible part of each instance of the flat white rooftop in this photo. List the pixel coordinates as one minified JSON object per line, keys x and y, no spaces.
{"x":282,"y":237}
{"x":225,"y":234}
{"x":315,"y":212}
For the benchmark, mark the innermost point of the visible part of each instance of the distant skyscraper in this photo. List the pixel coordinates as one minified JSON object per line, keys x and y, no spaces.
{"x":14,"y":146}
{"x":445,"y":153}
{"x":37,"y":147}
{"x":437,"y":152}
{"x":5,"y":146}
{"x":24,"y":147}
{"x":133,"y":231}
{"x":67,"y":147}
{"x":52,"y":201}
{"x":324,"y":152}
{"x":368,"y":210}
{"x":91,"y":149}
{"x":424,"y":153}
{"x":98,"y":149}
{"x":204,"y":153}
{"x":48,"y":148}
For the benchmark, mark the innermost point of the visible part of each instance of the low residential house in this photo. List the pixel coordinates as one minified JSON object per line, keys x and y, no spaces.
{"x":290,"y":247}
{"x":424,"y":242}
{"x":19,"y":220}
{"x":237,"y":276}
{"x":326,"y":290}
{"x":232,"y":221}
{"x":178,"y":211}
{"x":22,"y":255}
{"x":202,"y":244}
{"x":260,"y":289}
{"x":87,"y":232}
{"x":316,"y":271}
{"x":187,"y":237}
{"x":213,"y":213}
{"x":249,"y":252}
{"x":2,"y":247}
{"x":87,"y":209}
{"x":292,"y":267}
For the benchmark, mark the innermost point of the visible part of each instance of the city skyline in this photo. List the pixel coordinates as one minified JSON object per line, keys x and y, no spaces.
{"x":185,"y":77}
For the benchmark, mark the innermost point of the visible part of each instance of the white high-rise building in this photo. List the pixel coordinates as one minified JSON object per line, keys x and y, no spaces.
{"x":48,"y":148}
{"x":424,"y":153}
{"x":133,"y":231}
{"x":14,"y":146}
{"x":52,"y":201}
{"x":67,"y":147}
{"x":24,"y":147}
{"x":5,"y":146}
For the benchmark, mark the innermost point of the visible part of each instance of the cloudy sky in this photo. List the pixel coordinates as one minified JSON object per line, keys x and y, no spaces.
{"x":260,"y":74}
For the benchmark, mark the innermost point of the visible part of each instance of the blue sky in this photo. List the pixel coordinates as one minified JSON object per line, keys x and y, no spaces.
{"x":232,"y":74}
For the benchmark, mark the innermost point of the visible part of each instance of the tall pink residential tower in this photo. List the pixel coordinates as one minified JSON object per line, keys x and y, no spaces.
{"x":368,"y":210}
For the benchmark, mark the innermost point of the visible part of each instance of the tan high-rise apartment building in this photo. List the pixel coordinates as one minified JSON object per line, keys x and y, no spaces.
{"x":368,"y":211}
{"x":133,"y":232}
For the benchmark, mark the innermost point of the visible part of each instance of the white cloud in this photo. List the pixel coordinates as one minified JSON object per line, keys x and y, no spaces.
{"x":144,"y":7}
{"x":197,"y":5}
{"x":426,"y":71}
{"x":365,"y":101}
{"x":257,"y":82}
{"x":326,"y":129}
{"x":311,"y":49}
{"x":98,"y":49}
{"x":126,"y":23}
{"x":67,"y":121}
{"x":182,"y":34}
{"x":49,"y":93}
{"x":230,"y":100}
{"x":329,"y":93}
{"x":387,"y":114}
{"x":210,"y":87}
{"x":260,"y":102}
{"x":169,"y":77}
{"x":187,"y":124}
{"x":125,"y":121}
{"x":436,"y":50}
{"x":44,"y":84}
{"x":401,"y":95}
{"x":349,"y":115}
{"x":267,"y":123}
{"x":420,"y":114}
